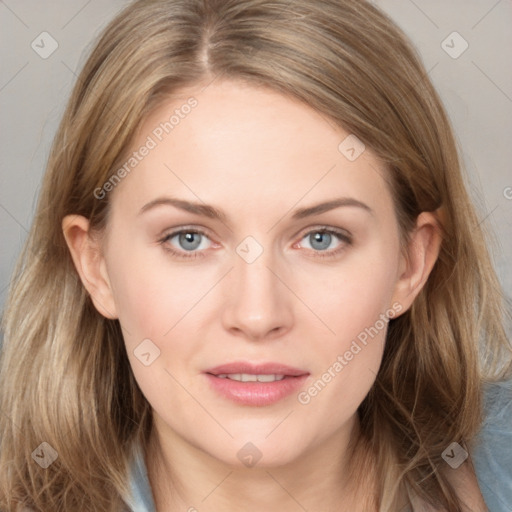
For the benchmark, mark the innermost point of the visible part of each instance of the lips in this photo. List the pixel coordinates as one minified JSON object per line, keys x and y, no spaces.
{"x":256,"y":369}
{"x":255,"y":384}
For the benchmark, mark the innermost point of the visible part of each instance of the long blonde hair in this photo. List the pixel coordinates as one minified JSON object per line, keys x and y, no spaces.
{"x":65,"y":378}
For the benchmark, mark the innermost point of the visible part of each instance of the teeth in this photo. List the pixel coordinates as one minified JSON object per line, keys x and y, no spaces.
{"x":247,"y":377}
{"x":269,"y":378}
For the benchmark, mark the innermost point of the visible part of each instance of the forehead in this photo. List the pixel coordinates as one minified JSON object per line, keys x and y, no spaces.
{"x":238,"y":145}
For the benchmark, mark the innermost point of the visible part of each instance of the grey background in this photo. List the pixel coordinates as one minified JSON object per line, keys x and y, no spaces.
{"x":476,"y":88}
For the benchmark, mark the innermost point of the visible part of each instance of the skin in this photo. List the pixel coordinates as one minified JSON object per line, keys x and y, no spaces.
{"x":257,"y":156}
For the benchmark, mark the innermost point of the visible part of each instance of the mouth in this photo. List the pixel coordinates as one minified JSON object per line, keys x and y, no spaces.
{"x":255,"y":384}
{"x":248,"y":377}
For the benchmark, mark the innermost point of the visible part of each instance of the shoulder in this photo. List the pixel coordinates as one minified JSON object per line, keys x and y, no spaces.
{"x":492,"y":447}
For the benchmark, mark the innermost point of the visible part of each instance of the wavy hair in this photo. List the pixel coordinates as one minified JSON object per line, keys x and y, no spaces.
{"x":65,"y":378}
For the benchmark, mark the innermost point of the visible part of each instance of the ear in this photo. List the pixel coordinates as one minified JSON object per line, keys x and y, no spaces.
{"x":418,"y":259}
{"x":86,"y":252}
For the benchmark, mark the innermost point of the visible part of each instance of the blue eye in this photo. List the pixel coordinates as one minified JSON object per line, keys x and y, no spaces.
{"x":325,"y":240}
{"x":320,"y":241}
{"x":187,"y":241}
{"x":191,"y":243}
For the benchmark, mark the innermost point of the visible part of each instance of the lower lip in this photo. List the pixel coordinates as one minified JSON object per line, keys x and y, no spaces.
{"x":257,"y":394}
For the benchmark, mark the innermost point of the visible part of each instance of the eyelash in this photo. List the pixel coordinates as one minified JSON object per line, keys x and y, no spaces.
{"x":182,"y":254}
{"x":342,"y":236}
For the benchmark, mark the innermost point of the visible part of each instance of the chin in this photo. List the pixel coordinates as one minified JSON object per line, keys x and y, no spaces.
{"x":258,"y":453}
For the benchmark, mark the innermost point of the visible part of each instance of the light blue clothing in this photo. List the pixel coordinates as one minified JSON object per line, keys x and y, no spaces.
{"x":492,"y":453}
{"x":492,"y":456}
{"x":142,"y":499}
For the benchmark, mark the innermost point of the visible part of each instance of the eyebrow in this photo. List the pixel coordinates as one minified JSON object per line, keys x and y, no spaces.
{"x":213,"y":213}
{"x":330,"y":205}
{"x":196,"y":208}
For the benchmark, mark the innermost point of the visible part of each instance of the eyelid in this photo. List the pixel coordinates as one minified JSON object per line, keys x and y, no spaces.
{"x":342,"y":233}
{"x":344,"y":236}
{"x":168,"y":234}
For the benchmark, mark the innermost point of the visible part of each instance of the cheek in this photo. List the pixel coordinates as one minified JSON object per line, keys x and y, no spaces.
{"x":152,"y":299}
{"x":350,"y":298}
{"x":354,"y":302}
{"x":152,"y":295}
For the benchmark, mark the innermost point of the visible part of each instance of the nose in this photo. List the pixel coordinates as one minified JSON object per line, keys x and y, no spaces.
{"x":258,"y":306}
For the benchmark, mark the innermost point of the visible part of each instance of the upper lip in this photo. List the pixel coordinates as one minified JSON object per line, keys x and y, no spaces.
{"x":257,"y":369}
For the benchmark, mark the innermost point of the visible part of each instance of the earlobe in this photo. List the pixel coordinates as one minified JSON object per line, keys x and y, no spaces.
{"x":421,"y":255}
{"x":89,"y":262}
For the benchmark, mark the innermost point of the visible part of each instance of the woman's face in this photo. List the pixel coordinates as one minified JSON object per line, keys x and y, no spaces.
{"x":251,"y":232}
